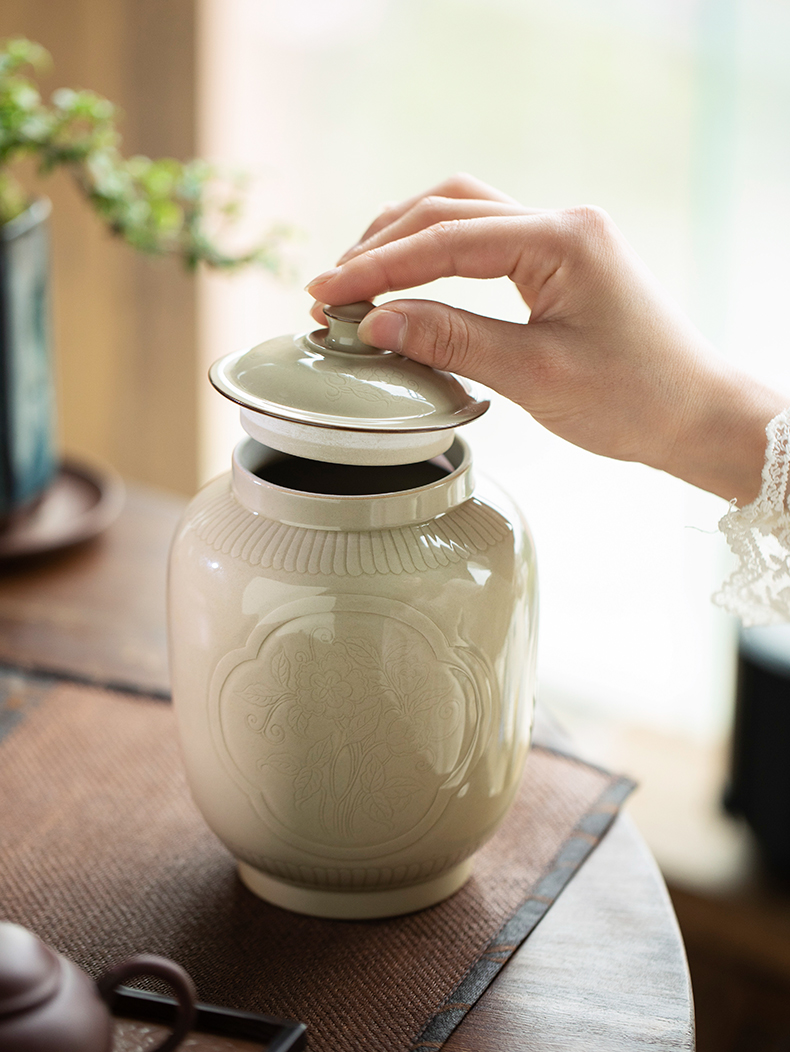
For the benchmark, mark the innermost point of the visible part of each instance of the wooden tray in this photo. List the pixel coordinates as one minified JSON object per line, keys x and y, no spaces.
{"x":247,"y":1031}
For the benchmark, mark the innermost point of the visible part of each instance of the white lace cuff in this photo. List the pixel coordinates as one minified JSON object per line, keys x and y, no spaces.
{"x":759,"y":590}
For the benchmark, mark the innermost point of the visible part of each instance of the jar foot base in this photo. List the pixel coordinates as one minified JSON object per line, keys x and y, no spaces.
{"x":354,"y":905}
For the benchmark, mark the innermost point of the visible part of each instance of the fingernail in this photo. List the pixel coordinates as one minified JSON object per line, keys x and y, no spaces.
{"x":384,"y":328}
{"x":322,"y":278}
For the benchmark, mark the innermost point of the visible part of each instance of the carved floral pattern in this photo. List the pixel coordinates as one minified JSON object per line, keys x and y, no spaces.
{"x":357,"y":725}
{"x":365,"y":389}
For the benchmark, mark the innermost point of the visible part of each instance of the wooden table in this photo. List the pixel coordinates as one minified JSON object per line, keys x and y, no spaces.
{"x":605,"y":970}
{"x":734,"y":913}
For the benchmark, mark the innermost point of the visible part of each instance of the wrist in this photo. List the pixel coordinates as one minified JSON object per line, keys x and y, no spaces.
{"x":720,"y":446}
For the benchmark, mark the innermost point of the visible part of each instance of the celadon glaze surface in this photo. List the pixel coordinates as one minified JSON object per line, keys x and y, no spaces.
{"x":353,"y":678}
{"x":328,"y":396}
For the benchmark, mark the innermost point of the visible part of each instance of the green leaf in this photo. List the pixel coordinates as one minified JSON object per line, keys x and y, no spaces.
{"x":159,"y":206}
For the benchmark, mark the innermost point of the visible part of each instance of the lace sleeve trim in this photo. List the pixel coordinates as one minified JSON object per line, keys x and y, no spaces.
{"x":758,"y":591}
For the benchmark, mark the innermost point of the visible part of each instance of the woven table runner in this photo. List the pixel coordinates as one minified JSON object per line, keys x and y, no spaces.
{"x":104,"y":855}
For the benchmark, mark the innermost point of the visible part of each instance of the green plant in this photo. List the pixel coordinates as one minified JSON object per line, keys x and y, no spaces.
{"x":162,"y":207}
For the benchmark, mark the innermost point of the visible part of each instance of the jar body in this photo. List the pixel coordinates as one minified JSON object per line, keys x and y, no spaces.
{"x":354,"y":692}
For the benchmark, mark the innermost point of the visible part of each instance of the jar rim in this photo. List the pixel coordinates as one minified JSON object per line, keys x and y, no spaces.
{"x":328,"y":511}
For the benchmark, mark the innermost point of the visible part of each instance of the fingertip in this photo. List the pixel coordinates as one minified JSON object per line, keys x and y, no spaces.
{"x":322,"y":279}
{"x":317,"y":313}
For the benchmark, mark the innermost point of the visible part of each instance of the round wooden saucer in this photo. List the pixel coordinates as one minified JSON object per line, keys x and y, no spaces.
{"x":82,"y":501}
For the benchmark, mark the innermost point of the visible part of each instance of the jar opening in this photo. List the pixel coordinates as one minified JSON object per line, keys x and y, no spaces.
{"x":328,"y":496}
{"x":350,"y":480}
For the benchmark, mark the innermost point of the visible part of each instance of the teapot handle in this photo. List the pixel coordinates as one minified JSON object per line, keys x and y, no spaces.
{"x":171,"y":973}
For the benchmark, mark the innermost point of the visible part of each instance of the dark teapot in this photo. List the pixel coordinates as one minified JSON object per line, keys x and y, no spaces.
{"x":48,"y":1004}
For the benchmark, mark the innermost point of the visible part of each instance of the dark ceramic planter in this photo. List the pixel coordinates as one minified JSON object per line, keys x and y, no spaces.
{"x":28,"y":459}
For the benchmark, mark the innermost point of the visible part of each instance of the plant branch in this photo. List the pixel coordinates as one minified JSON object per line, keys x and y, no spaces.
{"x":161,"y":207}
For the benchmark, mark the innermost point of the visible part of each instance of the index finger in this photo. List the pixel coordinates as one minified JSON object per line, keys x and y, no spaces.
{"x":525,"y":248}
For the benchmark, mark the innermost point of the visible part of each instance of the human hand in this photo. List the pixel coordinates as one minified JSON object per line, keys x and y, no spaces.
{"x":606,"y":361}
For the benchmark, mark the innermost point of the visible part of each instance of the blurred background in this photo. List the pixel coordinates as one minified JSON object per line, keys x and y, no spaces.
{"x":670,"y":114}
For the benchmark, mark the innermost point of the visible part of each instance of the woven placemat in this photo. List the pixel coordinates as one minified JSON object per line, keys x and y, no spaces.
{"x":103,"y":854}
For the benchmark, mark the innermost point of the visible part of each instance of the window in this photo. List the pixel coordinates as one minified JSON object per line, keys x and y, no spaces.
{"x":671,"y":115}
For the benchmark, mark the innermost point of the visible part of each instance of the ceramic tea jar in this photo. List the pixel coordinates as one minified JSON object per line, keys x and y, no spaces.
{"x":352,"y":631}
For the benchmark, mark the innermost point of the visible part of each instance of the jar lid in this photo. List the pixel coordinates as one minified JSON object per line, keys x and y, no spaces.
{"x":328,"y":396}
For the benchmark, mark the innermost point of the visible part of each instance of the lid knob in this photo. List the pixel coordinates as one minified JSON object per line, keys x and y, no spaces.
{"x":343,"y":325}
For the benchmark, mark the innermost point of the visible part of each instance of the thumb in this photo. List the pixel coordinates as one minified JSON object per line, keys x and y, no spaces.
{"x":443,"y":337}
